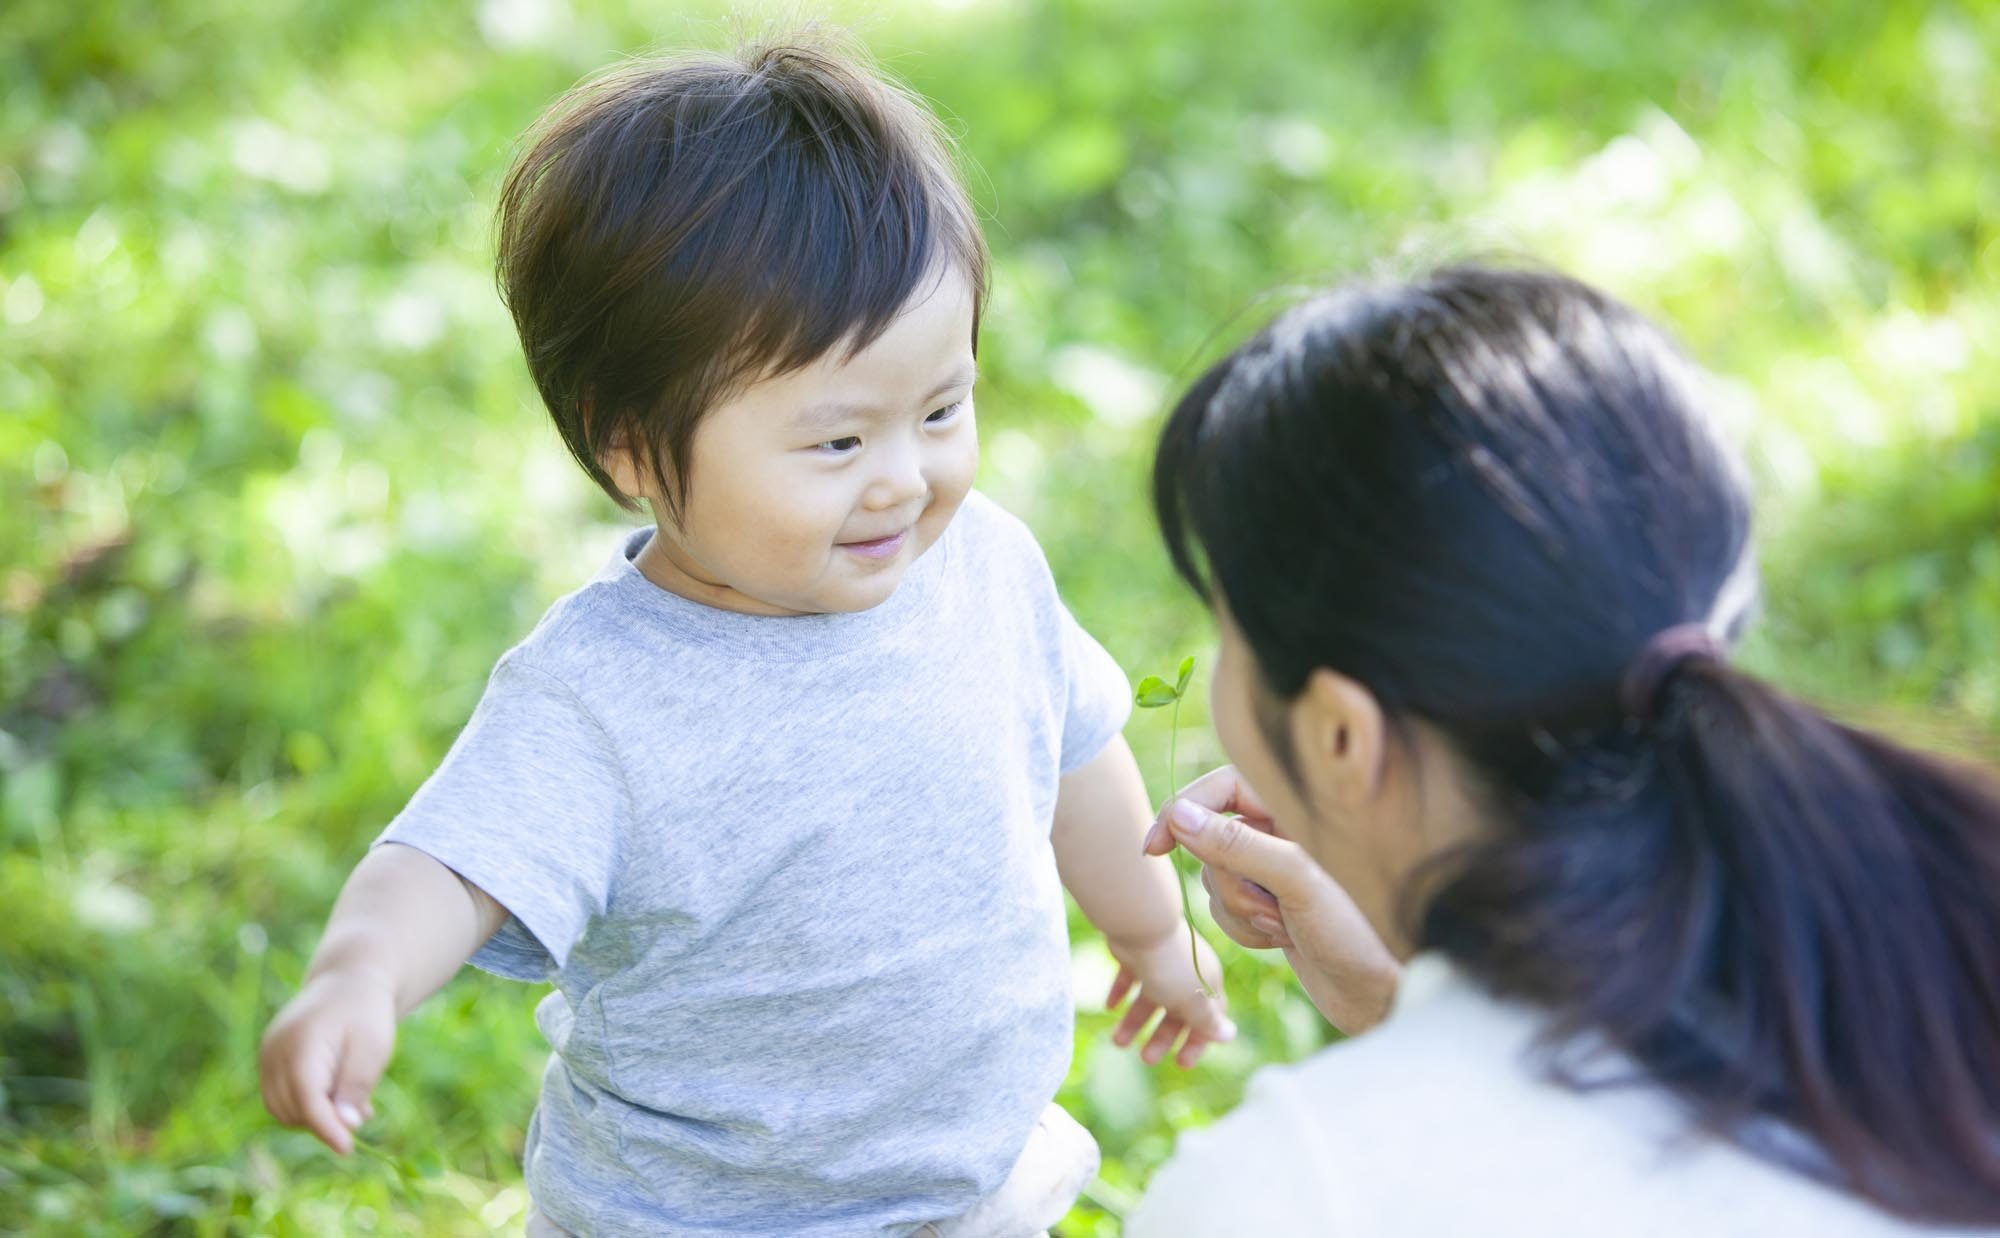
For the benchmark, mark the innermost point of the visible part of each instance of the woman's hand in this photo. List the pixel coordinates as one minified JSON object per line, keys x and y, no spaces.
{"x":1266,"y":892}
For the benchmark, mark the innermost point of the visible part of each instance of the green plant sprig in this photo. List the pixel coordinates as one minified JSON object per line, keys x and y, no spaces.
{"x":1156,"y":693}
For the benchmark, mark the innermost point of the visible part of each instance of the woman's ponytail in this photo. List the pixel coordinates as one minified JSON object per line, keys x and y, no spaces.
{"x":1859,"y":885}
{"x":1791,"y":923}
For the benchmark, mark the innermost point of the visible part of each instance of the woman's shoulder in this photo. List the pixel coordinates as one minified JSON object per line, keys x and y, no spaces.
{"x":1445,"y":1037}
{"x":1446,"y":1119}
{"x":1257,"y":1170}
{"x":1285,"y":1160}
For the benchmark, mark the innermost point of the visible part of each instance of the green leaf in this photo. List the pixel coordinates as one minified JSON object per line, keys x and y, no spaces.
{"x":1187,"y":673}
{"x":1155,"y":692}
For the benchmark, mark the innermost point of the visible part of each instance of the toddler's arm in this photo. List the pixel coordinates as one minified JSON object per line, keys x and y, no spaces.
{"x":402,"y":926}
{"x":1101,"y":818}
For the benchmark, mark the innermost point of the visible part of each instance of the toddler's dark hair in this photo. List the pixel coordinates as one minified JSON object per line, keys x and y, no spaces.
{"x":679,"y":227}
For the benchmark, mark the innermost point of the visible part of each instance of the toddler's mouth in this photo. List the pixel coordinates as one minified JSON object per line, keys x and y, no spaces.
{"x":880,"y":547}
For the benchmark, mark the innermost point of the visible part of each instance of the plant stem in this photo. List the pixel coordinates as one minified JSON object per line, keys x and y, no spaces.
{"x":1180,"y":882}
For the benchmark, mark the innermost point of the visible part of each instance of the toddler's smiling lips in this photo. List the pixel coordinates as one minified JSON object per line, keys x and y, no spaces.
{"x":880,"y":547}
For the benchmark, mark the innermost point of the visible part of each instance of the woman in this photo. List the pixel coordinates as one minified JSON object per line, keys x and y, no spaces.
{"x":1683,"y":955}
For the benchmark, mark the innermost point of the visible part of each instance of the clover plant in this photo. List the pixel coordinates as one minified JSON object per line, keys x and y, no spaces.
{"x":1156,"y":693}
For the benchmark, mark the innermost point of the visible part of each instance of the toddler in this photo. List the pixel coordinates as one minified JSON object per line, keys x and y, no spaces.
{"x":784,"y":799}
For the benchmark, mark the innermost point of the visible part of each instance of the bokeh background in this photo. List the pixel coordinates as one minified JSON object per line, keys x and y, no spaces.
{"x":275,"y":492}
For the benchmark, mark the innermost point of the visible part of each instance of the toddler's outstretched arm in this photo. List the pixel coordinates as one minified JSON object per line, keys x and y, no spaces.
{"x":403,"y":925}
{"x":1101,"y":818}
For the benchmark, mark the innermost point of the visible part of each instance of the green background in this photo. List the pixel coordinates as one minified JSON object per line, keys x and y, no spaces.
{"x":274,"y":491}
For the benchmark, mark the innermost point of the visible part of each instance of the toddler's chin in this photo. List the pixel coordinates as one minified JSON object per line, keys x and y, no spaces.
{"x":872,"y":590}
{"x":866,"y":596}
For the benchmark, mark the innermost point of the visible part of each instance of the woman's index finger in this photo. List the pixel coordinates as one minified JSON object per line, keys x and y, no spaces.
{"x":1223,"y":790}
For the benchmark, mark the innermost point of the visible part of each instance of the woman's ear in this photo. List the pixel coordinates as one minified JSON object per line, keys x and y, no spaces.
{"x":1341,"y":737}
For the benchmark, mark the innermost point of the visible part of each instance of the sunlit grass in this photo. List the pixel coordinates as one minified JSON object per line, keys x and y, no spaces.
{"x":279,"y":492}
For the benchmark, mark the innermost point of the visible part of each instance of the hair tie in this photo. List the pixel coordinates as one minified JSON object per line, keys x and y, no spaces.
{"x":1664,"y":654}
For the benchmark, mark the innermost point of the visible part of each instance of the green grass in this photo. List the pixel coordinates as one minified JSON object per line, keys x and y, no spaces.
{"x":278,"y":492}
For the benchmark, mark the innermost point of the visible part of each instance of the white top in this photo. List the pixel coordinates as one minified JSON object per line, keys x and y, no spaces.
{"x":1438,"y":1122}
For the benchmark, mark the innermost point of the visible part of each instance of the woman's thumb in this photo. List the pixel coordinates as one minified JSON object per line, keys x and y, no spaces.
{"x":1229,"y":843}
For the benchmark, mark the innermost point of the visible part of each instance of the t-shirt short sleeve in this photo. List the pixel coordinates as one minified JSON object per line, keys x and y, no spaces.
{"x":529,"y":805}
{"x":1099,"y":699}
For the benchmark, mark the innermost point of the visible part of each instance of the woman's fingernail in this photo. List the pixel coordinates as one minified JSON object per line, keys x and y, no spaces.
{"x":1152,"y":836}
{"x":348,"y":1114}
{"x":1189,"y":817}
{"x":1269,"y":927}
{"x":1228,"y":1031}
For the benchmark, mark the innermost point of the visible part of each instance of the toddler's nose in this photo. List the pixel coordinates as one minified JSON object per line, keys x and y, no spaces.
{"x":900,"y":481}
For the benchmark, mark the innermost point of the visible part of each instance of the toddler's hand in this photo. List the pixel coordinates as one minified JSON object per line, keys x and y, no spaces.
{"x":1160,"y":975}
{"x":324,"y":1052}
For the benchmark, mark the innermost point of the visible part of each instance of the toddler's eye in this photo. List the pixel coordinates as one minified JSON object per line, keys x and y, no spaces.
{"x":840,"y":446}
{"x":942,"y":415}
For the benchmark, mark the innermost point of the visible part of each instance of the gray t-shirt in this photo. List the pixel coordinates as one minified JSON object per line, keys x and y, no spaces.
{"x":793,"y":882}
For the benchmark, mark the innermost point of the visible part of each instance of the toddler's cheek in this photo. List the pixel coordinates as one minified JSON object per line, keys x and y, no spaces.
{"x":949,"y":491}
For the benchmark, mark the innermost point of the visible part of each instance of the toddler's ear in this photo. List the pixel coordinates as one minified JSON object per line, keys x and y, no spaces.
{"x":617,"y":458}
{"x":623,"y":465}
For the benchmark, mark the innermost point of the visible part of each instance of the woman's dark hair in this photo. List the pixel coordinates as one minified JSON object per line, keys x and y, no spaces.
{"x":677,"y":227}
{"x":1481,"y":495}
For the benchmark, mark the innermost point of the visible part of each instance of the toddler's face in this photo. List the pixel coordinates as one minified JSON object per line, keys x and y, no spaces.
{"x":814,"y":491}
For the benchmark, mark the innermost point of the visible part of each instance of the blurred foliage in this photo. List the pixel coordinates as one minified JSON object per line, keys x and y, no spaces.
{"x":277,"y":492}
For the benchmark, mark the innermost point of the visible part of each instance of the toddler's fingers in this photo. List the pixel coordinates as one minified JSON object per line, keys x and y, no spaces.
{"x":311,"y":1078}
{"x":1142,"y":1011}
{"x":1162,"y":1041}
{"x":1121,"y":985}
{"x":298,"y":1078}
{"x":275,"y":1065}
{"x":276,"y":1103}
{"x":1191,"y":1050}
{"x":364,"y":1056}
{"x":316,"y":1113}
{"x":1208,"y":1019}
